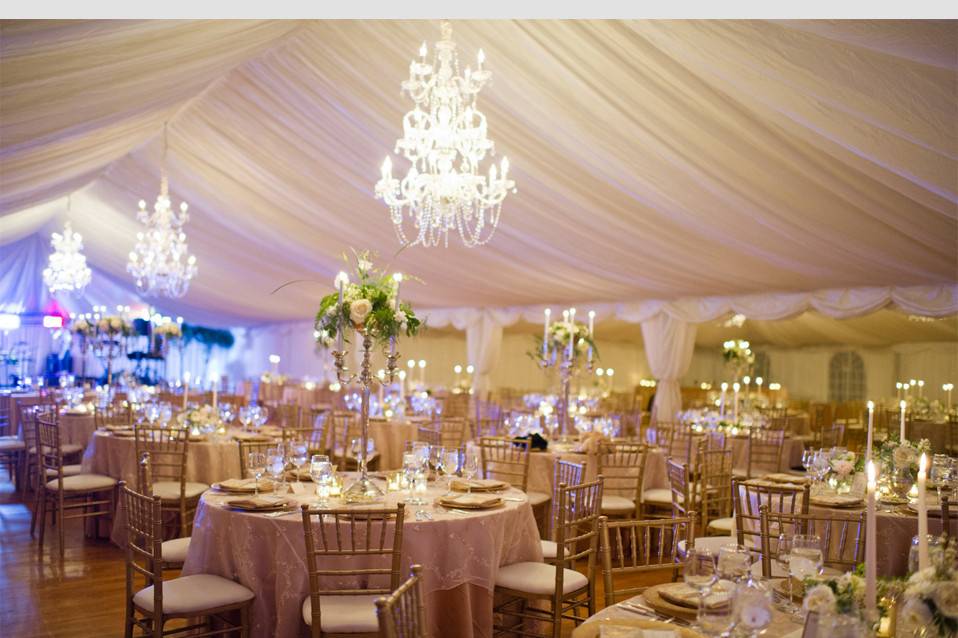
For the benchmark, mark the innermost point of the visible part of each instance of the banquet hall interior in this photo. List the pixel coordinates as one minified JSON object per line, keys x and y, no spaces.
{"x":407,"y":328}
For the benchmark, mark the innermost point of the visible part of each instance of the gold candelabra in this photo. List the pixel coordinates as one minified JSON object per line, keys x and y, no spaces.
{"x":566,"y":364}
{"x":363,"y":490}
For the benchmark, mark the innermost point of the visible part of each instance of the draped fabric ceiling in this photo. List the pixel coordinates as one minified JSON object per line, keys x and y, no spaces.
{"x":655,"y":160}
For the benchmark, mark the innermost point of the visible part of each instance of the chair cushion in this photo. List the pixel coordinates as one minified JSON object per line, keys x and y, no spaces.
{"x":194,"y":594}
{"x":174,"y":551}
{"x":11,"y":444}
{"x":711,"y":543}
{"x":549,"y":549}
{"x":66,"y":449}
{"x":170,"y":490}
{"x":537,"y":498}
{"x":83,"y":483}
{"x":538,"y":578}
{"x":721,"y":524}
{"x":344,"y":614}
{"x":658,"y":496}
{"x":68,"y":470}
{"x":614,"y":504}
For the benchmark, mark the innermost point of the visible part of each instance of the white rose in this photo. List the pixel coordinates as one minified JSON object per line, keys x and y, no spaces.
{"x":946,"y":598}
{"x":902,"y":456}
{"x":916,"y":613}
{"x":359,"y":310}
{"x":364,"y":265}
{"x":820,"y":599}
{"x":103,"y":324}
{"x":400,"y":318}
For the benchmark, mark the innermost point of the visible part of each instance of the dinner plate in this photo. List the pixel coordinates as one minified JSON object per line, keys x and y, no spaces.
{"x":659,"y":604}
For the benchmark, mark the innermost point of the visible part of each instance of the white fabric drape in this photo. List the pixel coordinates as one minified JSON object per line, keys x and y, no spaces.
{"x":742,"y":156}
{"x":669,"y":343}
{"x":483,"y":343}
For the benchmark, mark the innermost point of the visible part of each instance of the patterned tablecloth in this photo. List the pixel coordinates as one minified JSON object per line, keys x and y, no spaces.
{"x":460,"y":555}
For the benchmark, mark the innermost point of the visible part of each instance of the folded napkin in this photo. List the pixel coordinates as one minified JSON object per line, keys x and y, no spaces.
{"x":257,"y":503}
{"x":837,"y":500}
{"x":477,"y":485}
{"x":621,"y":631}
{"x":474,"y":501}
{"x":243,"y":485}
{"x":251,"y":436}
{"x":685,"y":596}
{"x":591,"y":442}
{"x":782,"y":477}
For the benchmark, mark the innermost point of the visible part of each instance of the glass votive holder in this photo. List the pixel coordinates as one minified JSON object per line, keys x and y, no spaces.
{"x":934,"y":552}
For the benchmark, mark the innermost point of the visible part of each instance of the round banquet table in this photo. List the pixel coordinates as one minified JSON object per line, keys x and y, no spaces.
{"x":391,"y":438}
{"x":460,"y":555}
{"x":207,"y":461}
{"x":76,"y":427}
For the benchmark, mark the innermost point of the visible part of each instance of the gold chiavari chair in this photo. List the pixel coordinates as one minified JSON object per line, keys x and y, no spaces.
{"x":28,"y":426}
{"x":287,"y":415}
{"x":562,"y":584}
{"x":168,"y":449}
{"x":623,"y":466}
{"x":403,"y":613}
{"x":245,"y":447}
{"x":13,"y":448}
{"x":429,"y":435}
{"x":452,"y":431}
{"x":842,"y":534}
{"x":507,"y":460}
{"x":59,"y":493}
{"x":765,"y":449}
{"x":174,"y":550}
{"x":946,"y":515}
{"x":833,"y":435}
{"x":662,"y":433}
{"x":635,"y":547}
{"x":117,"y":413}
{"x":681,"y":445}
{"x":315,"y":437}
{"x":191,"y":597}
{"x":565,"y":473}
{"x":953,"y":435}
{"x":715,"y":490}
{"x":354,"y":547}
{"x":820,"y":418}
{"x":750,"y":496}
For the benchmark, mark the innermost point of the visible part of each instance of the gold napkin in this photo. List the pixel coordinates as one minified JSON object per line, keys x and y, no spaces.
{"x":837,"y":500}
{"x":477,"y":485}
{"x":685,"y":596}
{"x":243,"y":485}
{"x":471,"y":501}
{"x":782,"y":477}
{"x":257,"y":503}
{"x":620,"y":631}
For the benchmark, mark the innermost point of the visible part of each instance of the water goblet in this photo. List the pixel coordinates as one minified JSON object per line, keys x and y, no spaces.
{"x":257,"y":465}
{"x":276,"y":467}
{"x":298,"y":455}
{"x":451,"y":461}
{"x":805,"y":558}
{"x":784,"y":553}
{"x":700,"y":573}
{"x":321,"y":471}
{"x":734,"y":563}
{"x":470,"y":468}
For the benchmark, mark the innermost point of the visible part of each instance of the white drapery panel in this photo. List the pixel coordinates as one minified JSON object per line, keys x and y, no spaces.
{"x":669,"y":343}
{"x":483,"y":343}
{"x":742,"y":156}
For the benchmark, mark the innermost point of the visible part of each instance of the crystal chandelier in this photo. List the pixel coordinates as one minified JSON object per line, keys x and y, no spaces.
{"x":160,"y":262}
{"x":444,"y":137}
{"x":67,"y":269}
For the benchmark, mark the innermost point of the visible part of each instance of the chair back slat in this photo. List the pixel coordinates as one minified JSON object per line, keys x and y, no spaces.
{"x":622,"y":466}
{"x":842,"y":536}
{"x":505,"y":460}
{"x":167,"y":448}
{"x":144,"y":540}
{"x":403,"y":613}
{"x":765,"y":451}
{"x":748,"y":498}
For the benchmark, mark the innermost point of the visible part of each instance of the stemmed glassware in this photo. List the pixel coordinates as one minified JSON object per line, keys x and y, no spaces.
{"x":226,"y":413}
{"x":276,"y":467}
{"x":321,"y":471}
{"x":734,"y":563}
{"x":246,"y":416}
{"x":257,"y":465}
{"x":783,"y":557}
{"x":298,"y":455}
{"x":449,"y":467}
{"x":805,"y":558}
{"x":700,"y":573}
{"x":413,"y":469}
{"x":470,"y":468}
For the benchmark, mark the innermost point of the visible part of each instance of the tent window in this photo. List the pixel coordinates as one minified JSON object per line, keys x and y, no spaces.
{"x":846,"y":378}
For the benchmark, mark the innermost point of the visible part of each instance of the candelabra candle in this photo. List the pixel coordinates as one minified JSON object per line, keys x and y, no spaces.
{"x":922,"y":513}
{"x":735,"y":389}
{"x":898,"y":387}
{"x":545,"y":334}
{"x":591,"y":331}
{"x":901,"y":408}
{"x":948,"y":387}
{"x":871,"y":419}
{"x":871,"y":539}
{"x":722,"y":402}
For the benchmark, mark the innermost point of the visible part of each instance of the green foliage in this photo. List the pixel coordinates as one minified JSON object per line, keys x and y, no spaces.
{"x":209,"y":337}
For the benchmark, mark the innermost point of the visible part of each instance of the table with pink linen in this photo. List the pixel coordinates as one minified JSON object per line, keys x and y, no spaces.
{"x":460,"y":555}
{"x":14,"y":401}
{"x":76,"y":427}
{"x":206,"y":462}
{"x":391,"y":438}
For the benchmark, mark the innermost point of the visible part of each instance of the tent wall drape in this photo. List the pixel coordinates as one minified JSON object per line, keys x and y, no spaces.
{"x":483,"y":343}
{"x":669,"y":343}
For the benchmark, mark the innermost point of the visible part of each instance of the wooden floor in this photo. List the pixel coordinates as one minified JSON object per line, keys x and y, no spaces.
{"x":82,"y":597}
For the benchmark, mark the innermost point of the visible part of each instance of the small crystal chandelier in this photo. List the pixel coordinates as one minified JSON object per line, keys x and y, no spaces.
{"x":444,"y":137}
{"x":160,"y":261}
{"x":67,"y":270}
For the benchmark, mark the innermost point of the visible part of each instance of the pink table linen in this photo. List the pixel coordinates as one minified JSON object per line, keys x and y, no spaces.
{"x":460,"y":555}
{"x":76,"y":428}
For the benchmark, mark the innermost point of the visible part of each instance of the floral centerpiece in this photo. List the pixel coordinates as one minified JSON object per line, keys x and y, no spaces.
{"x":273,"y":377}
{"x":559,"y":334}
{"x":83,"y":328}
{"x":930,"y":600}
{"x":169,"y":330}
{"x":114,"y":326}
{"x":201,"y":420}
{"x":738,"y":355}
{"x":367,"y":305}
{"x":842,"y":464}
{"x":844,"y":595}
{"x":903,"y":455}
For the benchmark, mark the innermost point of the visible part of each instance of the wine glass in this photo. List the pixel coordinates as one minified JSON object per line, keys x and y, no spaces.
{"x":470,"y":468}
{"x":412,"y":467}
{"x":276,"y":466}
{"x":298,"y":455}
{"x":226,"y":413}
{"x":805,"y":558}
{"x":257,"y":465}
{"x":450,"y":465}
{"x":700,"y":573}
{"x":321,"y":471}
{"x":783,"y":556}
{"x":734,"y":563}
{"x":245,"y":416}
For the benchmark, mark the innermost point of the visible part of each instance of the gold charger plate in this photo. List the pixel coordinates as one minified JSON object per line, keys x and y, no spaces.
{"x":851,"y":502}
{"x":659,"y":604}
{"x":478,"y":485}
{"x":592,"y":629}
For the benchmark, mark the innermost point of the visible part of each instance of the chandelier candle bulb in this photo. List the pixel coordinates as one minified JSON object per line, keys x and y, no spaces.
{"x":722,"y":400}
{"x":948,"y":387}
{"x":871,"y":539}
{"x":871,"y":422}
{"x":901,"y":412}
{"x":735,"y":388}
{"x":758,"y":385}
{"x":898,"y":387}
{"x":923,"y":561}
{"x":921,"y":388}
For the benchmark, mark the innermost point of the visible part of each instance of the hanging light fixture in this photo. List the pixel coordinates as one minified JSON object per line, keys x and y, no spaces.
{"x":444,"y":137}
{"x":67,"y":270}
{"x":160,"y":261}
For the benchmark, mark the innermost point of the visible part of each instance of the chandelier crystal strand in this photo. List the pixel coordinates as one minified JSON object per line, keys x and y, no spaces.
{"x":444,"y":138}
{"x":160,"y":261}
{"x":67,"y":270}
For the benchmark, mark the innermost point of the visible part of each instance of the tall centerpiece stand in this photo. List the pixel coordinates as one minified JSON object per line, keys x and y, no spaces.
{"x":84,"y":331}
{"x":109,"y":341}
{"x":563,"y":346}
{"x":372,"y":310}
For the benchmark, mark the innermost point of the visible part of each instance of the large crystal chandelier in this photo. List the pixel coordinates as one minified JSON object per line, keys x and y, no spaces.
{"x":160,"y":261}
{"x":67,"y":270}
{"x":444,"y":137}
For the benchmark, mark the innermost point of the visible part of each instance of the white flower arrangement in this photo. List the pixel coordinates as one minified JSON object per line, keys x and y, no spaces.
{"x":843,"y":464}
{"x":170,"y":330}
{"x":931,"y":595}
{"x":269,"y":377}
{"x":114,"y":325}
{"x":83,"y":327}
{"x":903,"y":455}
{"x":844,"y":595}
{"x":201,"y":419}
